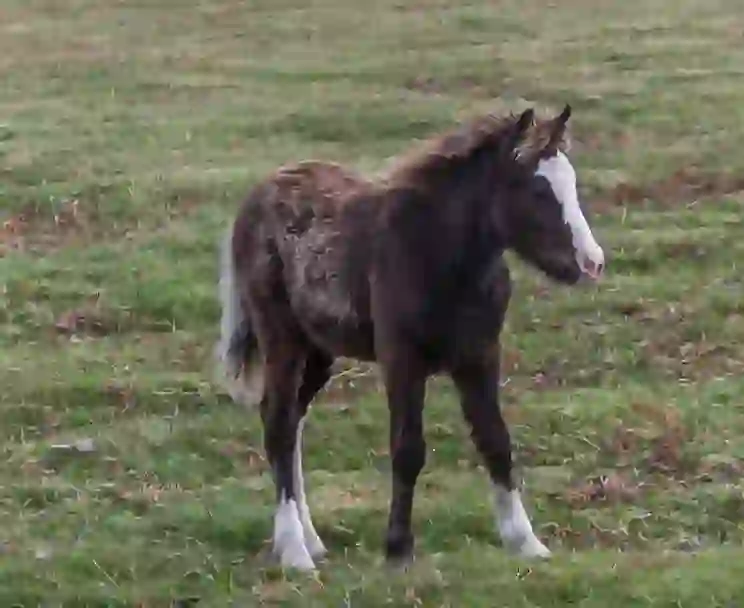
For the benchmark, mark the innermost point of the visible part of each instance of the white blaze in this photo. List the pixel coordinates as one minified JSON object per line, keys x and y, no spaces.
{"x":562,"y":177}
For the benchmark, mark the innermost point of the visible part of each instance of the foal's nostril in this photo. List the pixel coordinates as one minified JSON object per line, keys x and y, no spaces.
{"x":593,"y":269}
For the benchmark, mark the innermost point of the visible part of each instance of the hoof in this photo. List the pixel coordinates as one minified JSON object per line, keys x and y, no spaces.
{"x":530,"y":548}
{"x":399,"y":563}
{"x":315,"y":546}
{"x":399,"y":551}
{"x":296,"y":559}
{"x":289,"y":541}
{"x":534,"y":550}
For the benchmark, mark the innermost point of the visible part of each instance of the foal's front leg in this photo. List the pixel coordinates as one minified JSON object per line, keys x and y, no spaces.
{"x":478,"y":384}
{"x":405,"y":383}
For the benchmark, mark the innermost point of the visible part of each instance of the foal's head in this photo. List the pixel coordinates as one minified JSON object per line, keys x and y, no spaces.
{"x":541,"y":218}
{"x":516,"y":176}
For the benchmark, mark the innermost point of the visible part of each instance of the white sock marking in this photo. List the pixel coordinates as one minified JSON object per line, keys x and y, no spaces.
{"x":289,"y":542}
{"x":514,"y":525}
{"x":312,"y":541}
{"x":562,"y":177}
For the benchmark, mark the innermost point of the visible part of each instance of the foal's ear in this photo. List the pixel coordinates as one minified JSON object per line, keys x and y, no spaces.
{"x":525,"y":121}
{"x":564,"y":116}
{"x":558,"y":130}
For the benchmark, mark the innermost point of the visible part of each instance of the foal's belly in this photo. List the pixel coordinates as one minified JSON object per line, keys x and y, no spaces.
{"x":342,"y":338}
{"x":329,"y":296}
{"x":327,"y":313}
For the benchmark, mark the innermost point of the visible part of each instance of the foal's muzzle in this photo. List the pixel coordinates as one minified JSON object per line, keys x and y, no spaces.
{"x":592,"y":266}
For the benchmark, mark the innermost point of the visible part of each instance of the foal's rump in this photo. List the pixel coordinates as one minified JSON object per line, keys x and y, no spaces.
{"x":304,"y":231}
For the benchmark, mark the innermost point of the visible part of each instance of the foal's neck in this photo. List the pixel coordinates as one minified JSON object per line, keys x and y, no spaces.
{"x":443,"y":223}
{"x":473,"y":200}
{"x":461,"y":241}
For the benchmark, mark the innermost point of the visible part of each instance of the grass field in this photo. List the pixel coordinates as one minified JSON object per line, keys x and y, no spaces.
{"x":129,"y":131}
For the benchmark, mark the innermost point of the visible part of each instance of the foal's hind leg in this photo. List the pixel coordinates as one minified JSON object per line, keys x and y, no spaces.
{"x":478,"y":384}
{"x":317,"y":373}
{"x":281,"y":417}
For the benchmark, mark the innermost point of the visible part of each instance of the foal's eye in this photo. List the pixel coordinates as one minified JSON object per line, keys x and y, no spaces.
{"x":543,"y":189}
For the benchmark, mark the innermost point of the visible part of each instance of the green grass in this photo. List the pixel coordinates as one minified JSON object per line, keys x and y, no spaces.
{"x":129,"y":131}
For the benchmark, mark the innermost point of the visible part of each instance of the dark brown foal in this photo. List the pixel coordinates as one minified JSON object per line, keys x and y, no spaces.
{"x":407,"y":271}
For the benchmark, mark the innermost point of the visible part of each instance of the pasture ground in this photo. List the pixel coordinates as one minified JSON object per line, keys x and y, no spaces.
{"x":130,"y":130}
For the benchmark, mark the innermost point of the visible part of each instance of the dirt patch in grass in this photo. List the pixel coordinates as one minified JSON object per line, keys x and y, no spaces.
{"x":102,"y":212}
{"x":614,"y":488}
{"x":34,"y":230}
{"x":95,"y":319}
{"x":657,"y":444}
{"x":678,"y":344}
{"x":476,"y":87}
{"x":350,"y":380}
{"x":683,"y":187}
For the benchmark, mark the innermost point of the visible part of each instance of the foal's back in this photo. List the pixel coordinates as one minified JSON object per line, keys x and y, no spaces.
{"x":316,"y":189}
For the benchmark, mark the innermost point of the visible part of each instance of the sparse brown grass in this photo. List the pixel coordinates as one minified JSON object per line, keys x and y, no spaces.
{"x":128,"y":133}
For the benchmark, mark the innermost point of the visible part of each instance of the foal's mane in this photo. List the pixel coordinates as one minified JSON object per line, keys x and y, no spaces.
{"x":457,"y":145}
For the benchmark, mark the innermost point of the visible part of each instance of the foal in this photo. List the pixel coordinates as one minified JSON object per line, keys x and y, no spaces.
{"x":407,"y":271}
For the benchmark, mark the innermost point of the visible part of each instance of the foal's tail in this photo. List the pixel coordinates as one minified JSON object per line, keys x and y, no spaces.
{"x":237,"y":356}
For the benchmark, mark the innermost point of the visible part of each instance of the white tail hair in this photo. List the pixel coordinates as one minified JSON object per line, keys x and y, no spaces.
{"x":236,"y":352}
